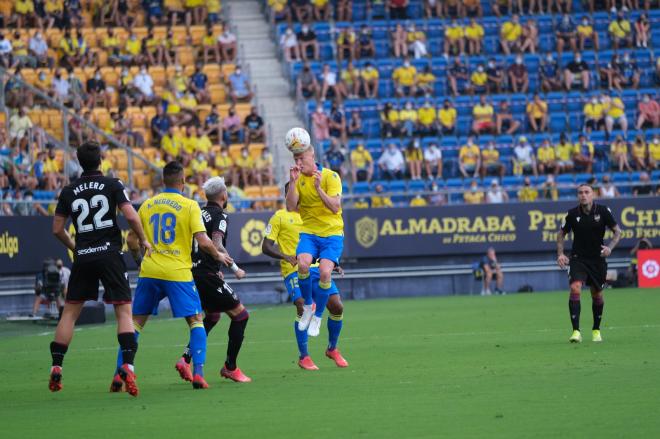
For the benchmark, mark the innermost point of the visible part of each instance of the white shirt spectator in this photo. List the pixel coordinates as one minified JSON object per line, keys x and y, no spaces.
{"x":38,"y":45}
{"x":289,"y":39}
{"x":5,"y":47}
{"x":524,"y":153}
{"x":61,"y":87}
{"x":226,"y":37}
{"x":144,"y":83}
{"x":432,"y":154}
{"x":392,"y":160}
{"x":330,"y":78}
{"x":495,"y":195}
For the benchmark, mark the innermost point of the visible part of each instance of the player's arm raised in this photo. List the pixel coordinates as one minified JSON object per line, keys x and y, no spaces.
{"x":217,"y":238}
{"x":135,"y":224}
{"x":60,"y":232}
{"x":207,"y":246}
{"x":332,"y":203}
{"x":292,"y":195}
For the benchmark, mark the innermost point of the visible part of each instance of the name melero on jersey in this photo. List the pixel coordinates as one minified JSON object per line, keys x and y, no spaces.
{"x":88,"y":186}
{"x":426,"y":226}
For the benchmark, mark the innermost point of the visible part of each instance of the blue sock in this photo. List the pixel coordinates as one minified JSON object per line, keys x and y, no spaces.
{"x":120,"y":357}
{"x":334,"y":328}
{"x":305,"y":284}
{"x":321,"y":298}
{"x":301,"y":339}
{"x":198,"y":347}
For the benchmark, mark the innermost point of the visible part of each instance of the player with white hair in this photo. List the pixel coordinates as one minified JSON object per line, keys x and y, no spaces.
{"x":216,"y":295}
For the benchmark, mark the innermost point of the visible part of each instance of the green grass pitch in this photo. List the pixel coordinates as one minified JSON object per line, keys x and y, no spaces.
{"x":458,"y":367}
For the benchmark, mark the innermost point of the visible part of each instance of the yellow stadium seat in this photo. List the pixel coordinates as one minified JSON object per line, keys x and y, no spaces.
{"x":120,"y":157}
{"x":203,"y":110}
{"x":271,"y":191}
{"x":158,"y":75}
{"x":228,"y":69}
{"x":110,"y":76}
{"x":179,"y":33}
{"x":255,"y":149}
{"x":142,"y":180}
{"x":122,"y":175}
{"x":235,"y":150}
{"x":150,"y":152}
{"x":149,"y":113}
{"x":140,"y":32}
{"x":218,"y":93}
{"x":197,"y":33}
{"x":187,"y":56}
{"x":100,"y":116}
{"x":137,"y":163}
{"x":213,"y":72}
{"x":253,"y":191}
{"x":138,"y":118}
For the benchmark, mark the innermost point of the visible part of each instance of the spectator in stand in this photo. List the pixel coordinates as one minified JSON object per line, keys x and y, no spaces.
{"x":471,"y":8}
{"x":213,"y":124}
{"x":496,"y":77}
{"x":399,"y":41}
{"x":350,"y":78}
{"x":370,"y":76}
{"x":593,"y":112}
{"x":20,"y":55}
{"x":433,"y":161}
{"x":76,"y":89}
{"x":511,"y":35}
{"x":280,"y":10}
{"x":334,"y":158}
{"x":523,"y":158}
{"x":354,"y":128}
{"x":111,"y":45}
{"x":479,"y":80}
{"x":458,"y":72}
{"x":97,"y":91}
{"x":654,"y":153}
{"x":537,"y":113}
{"x":264,"y":168}
{"x":425,"y":82}
{"x":239,"y":86}
{"x":380,"y":200}
{"x":482,"y":117}
{"x":362,"y":164}
{"x":416,"y":42}
{"x":224,"y":166}
{"x":625,"y":74}
{"x":308,"y":42}
{"x":144,"y":84}
{"x":320,"y":124}
{"x":389,"y":121}
{"x":307,"y":86}
{"x":198,"y":85}
{"x":642,"y":31}
{"x":171,"y":144}
{"x":330,"y":83}
{"x":392,"y":163}
{"x":474,"y":195}
{"x":426,"y":117}
{"x":469,"y":159}
{"x":576,"y":72}
{"x":38,"y":48}
{"x":583,"y":154}
{"x":54,"y":10}
{"x":455,"y":39}
{"x":504,"y":120}
{"x":418,"y":201}
{"x":638,"y":152}
{"x":338,"y":123}
{"x":160,"y":125}
{"x":527,"y":193}
{"x":495,"y":194}
{"x":550,"y":191}
{"x":398,"y":9}
{"x":289,"y":45}
{"x":365,"y":44}
{"x":60,"y":87}
{"x":16,"y":94}
{"x":474,"y":34}
{"x":447,"y":118}
{"x":546,"y":159}
{"x":518,"y":76}
{"x":346,"y":44}
{"x":615,"y":114}
{"x":608,"y":190}
{"x":232,"y":127}
{"x":490,"y":161}
{"x":644,"y":188}
{"x":132,"y":53}
{"x":228,"y":44}
{"x":620,"y":31}
{"x":210,"y":47}
{"x":321,"y":9}
{"x":24,"y":13}
{"x":566,"y":34}
{"x":530,"y":37}
{"x":564,"y":153}
{"x":245,"y":167}
{"x":404,"y":79}
{"x":414,"y":158}
{"x":433,"y":9}
{"x":302,"y":10}
{"x":619,"y":154}
{"x":255,"y":130}
{"x":586,"y":32}
{"x":408,"y":119}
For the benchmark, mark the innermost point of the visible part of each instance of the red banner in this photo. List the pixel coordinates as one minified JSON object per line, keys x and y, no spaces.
{"x":648,"y":268}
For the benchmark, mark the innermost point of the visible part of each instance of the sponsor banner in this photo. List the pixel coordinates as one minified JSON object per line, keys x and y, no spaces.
{"x":390,"y":232}
{"x":470,"y":229}
{"x":648,"y":268}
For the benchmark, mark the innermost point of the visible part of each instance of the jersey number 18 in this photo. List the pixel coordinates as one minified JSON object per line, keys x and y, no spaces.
{"x":163,"y":227}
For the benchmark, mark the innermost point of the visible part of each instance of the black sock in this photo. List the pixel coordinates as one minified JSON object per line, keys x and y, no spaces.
{"x":236,"y":333}
{"x":210,"y":320}
{"x":57,"y":351}
{"x":128,"y":346}
{"x":597,"y":309}
{"x":186,"y":354}
{"x":574,"y":309}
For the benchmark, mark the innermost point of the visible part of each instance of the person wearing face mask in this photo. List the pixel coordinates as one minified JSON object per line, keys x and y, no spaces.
{"x":60,"y":87}
{"x":537,"y":113}
{"x":654,"y":153}
{"x":362,"y":164}
{"x":490,"y":161}
{"x":392,"y":163}
{"x":210,"y":47}
{"x":414,"y":157}
{"x":404,"y":79}
{"x":638,"y":153}
{"x":346,"y":44}
{"x":615,"y":115}
{"x":619,"y":155}
{"x":199,"y":166}
{"x":576,"y":73}
{"x":649,"y":113}
{"x":583,"y":154}
{"x":642,"y":30}
{"x":321,"y":10}
{"x":478,"y":80}
{"x":523,"y":158}
{"x":594,"y":114}
{"x":307,"y":85}
{"x":474,"y":195}
{"x":232,"y":128}
{"x":366,"y":46}
{"x":549,"y":74}
{"x":469,"y":159}
{"x":228,"y":44}
{"x":224,"y":166}
{"x":511,"y":35}
{"x":608,"y":190}
{"x":483,"y":115}
{"x":626,"y":73}
{"x":132,"y":53}
{"x":447,"y":117}
{"x":408,"y":119}
{"x":425,"y":82}
{"x":496,"y":77}
{"x":389,"y":121}
{"x":38,"y":48}
{"x":518,"y":76}
{"x":586,"y":33}
{"x":239,"y":86}
{"x":474,"y":35}
{"x":458,"y":72}
{"x":527,"y":193}
{"x":320,"y":124}
{"x":289,"y":45}
{"x":144,"y":84}
{"x":416,"y":40}
{"x":454,"y":39}
{"x":620,"y":31}
{"x":245,"y":167}
{"x":331,"y":84}
{"x":433,"y":161}
{"x":308,"y":43}
{"x":198,"y":84}
{"x":546,"y":158}
{"x":566,"y":34}
{"x":426,"y":120}
{"x":255,"y":130}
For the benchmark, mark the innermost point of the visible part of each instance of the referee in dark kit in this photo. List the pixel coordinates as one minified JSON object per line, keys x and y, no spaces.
{"x":587,"y":264}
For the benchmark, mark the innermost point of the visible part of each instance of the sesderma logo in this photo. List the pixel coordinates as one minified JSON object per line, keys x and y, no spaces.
{"x":8,"y":245}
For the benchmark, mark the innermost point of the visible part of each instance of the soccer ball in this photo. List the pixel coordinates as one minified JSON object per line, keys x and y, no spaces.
{"x":297,"y":140}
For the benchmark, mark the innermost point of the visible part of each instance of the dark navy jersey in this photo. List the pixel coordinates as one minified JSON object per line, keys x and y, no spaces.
{"x":215,"y":221}
{"x":92,"y":201}
{"x":588,"y":229}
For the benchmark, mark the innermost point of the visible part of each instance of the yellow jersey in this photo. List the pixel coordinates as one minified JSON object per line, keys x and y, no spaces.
{"x":317,"y":219}
{"x":618,"y":110}
{"x":537,"y":110}
{"x":564,"y":151}
{"x":405,"y":75}
{"x":490,"y":157}
{"x":381,"y":201}
{"x":619,"y":148}
{"x":447,"y":117}
{"x":638,"y":150}
{"x":170,"y":222}
{"x":454,"y":33}
{"x":479,"y":78}
{"x":593,"y":111}
{"x":171,"y":144}
{"x":619,"y":30}
{"x":284,"y":229}
{"x":473,"y":197}
{"x":360,"y":157}
{"x":528,"y":194}
{"x":511,"y":31}
{"x":546,"y":154}
{"x":426,"y":116}
{"x":654,"y":151}
{"x":469,"y":154}
{"x":474,"y":32}
{"x":585,"y":30}
{"x":369,"y":74}
{"x":418,"y":202}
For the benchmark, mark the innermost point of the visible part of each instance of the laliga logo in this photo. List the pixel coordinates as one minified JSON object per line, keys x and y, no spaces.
{"x":651,"y":269}
{"x":252,"y":234}
{"x":8,"y":244}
